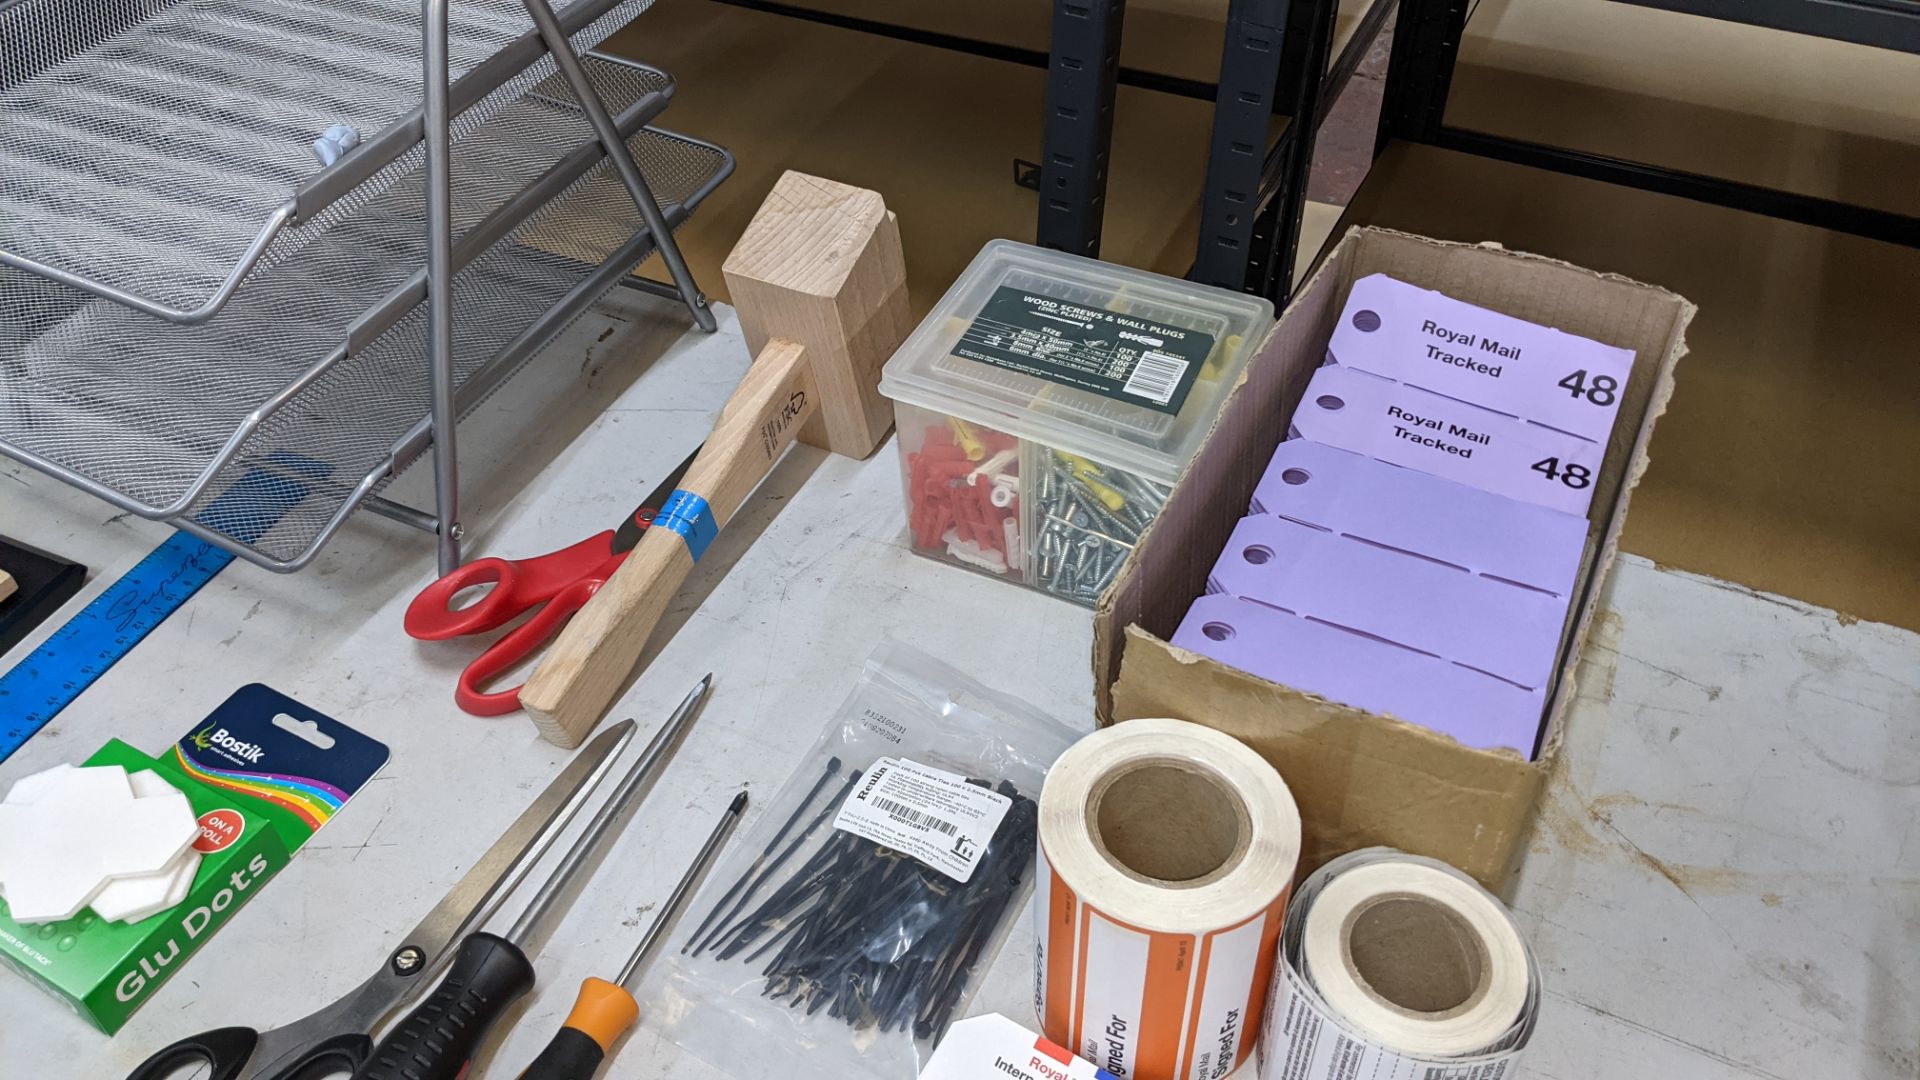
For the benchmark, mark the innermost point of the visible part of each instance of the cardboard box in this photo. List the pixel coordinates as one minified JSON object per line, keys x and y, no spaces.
{"x":1363,"y":779}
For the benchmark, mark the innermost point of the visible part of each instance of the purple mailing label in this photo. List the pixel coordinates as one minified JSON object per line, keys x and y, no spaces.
{"x":1408,"y":426}
{"x":1430,"y":340}
{"x":1366,"y":673}
{"x":1408,"y":510}
{"x":1489,"y":626}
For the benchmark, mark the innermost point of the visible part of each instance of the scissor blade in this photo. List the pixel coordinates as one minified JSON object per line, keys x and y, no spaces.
{"x":414,"y":963}
{"x":635,"y":525}
{"x":488,"y":881}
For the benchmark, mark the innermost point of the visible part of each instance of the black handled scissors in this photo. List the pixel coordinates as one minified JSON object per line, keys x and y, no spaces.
{"x":339,"y":1038}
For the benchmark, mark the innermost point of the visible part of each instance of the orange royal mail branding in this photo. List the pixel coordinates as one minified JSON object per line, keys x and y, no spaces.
{"x":992,"y":1047}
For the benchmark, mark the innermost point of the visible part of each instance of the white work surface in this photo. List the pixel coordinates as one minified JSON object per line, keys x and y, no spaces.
{"x":1723,"y":886}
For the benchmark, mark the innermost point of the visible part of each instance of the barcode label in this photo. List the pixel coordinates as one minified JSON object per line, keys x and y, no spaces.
{"x":931,"y":814}
{"x":914,"y":817}
{"x":1156,"y":375}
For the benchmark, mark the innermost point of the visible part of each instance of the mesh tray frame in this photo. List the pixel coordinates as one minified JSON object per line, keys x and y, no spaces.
{"x":140,"y":411}
{"x":244,"y":395}
{"x":508,"y":304}
{"x":160,"y":150}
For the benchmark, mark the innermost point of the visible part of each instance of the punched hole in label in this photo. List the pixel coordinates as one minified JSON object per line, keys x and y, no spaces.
{"x":1366,"y":321}
{"x":1218,"y":631}
{"x":1330,"y":402}
{"x":1257,"y":554}
{"x":306,"y":730}
{"x":1296,"y":477}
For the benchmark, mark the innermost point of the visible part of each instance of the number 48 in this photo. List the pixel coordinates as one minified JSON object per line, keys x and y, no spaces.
{"x":1599,"y":390}
{"x":1573,"y":474}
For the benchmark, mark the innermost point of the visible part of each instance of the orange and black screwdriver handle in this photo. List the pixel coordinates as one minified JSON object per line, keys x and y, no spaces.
{"x":601,"y":1014}
{"x":605,"y":1010}
{"x":438,"y":1039}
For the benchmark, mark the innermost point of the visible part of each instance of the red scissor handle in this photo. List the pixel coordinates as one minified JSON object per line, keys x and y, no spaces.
{"x":519,"y":644}
{"x":518,"y":585}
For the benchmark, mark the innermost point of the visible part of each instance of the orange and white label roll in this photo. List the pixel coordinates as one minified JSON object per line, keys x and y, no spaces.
{"x":1166,"y":850}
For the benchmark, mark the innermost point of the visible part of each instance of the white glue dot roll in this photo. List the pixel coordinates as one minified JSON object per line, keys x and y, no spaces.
{"x":1403,"y":965}
{"x":1166,"y":851}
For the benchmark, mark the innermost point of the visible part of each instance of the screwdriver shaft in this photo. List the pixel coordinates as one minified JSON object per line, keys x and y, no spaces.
{"x":680,"y":891}
{"x":603,"y":1012}
{"x":583,"y":846}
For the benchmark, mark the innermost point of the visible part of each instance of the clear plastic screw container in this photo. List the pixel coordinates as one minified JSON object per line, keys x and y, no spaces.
{"x":1048,"y":404}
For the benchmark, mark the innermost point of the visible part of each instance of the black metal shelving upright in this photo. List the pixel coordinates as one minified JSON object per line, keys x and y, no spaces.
{"x":1256,"y":188}
{"x":1083,"y":77}
{"x":1082,"y":80}
{"x":1274,"y":63}
{"x":1272,"y":52}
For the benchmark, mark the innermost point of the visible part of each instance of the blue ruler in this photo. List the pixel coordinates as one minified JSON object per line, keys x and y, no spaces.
{"x":47,"y":679}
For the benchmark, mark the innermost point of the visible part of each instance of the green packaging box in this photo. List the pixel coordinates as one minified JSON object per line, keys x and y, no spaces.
{"x":105,"y":970}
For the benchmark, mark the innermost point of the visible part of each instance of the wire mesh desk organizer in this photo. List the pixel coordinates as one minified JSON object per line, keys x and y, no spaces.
{"x":293,"y":241}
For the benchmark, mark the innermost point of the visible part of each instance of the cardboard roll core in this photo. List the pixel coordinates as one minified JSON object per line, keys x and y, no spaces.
{"x":1412,"y":956}
{"x":1417,"y":956}
{"x":1169,"y":822}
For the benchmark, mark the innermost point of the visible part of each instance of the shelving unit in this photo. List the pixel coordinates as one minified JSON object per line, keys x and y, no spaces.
{"x":1884,"y":24}
{"x":1426,"y":48}
{"x":1277,"y":60}
{"x":192,"y":305}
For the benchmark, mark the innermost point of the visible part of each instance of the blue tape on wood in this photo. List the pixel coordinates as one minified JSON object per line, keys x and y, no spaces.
{"x":690,"y":516}
{"x":47,"y":679}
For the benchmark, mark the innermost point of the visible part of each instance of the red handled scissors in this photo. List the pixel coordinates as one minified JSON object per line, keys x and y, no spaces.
{"x":563,"y":581}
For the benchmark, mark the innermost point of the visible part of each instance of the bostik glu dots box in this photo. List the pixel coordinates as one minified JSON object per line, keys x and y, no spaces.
{"x":263,"y":773}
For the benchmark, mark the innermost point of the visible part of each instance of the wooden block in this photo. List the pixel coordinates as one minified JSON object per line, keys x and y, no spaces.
{"x":820,"y":265}
{"x":7,"y":585}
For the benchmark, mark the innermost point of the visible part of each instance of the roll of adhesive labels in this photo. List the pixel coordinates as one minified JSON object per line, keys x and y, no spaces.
{"x":1166,"y":850}
{"x":1397,"y":967}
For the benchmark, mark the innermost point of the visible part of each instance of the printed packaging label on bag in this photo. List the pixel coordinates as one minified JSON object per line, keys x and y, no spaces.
{"x":1301,"y":1040}
{"x":1430,"y":340}
{"x":1110,"y":353}
{"x":931,"y":814}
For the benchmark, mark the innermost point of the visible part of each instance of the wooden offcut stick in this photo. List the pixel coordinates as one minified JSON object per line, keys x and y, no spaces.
{"x":820,"y":284}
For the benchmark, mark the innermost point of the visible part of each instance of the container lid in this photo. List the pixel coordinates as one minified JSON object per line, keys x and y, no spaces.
{"x":1118,"y":365}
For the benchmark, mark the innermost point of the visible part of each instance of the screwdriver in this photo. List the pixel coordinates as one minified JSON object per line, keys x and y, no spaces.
{"x":437,"y":1040}
{"x":605,"y":1010}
